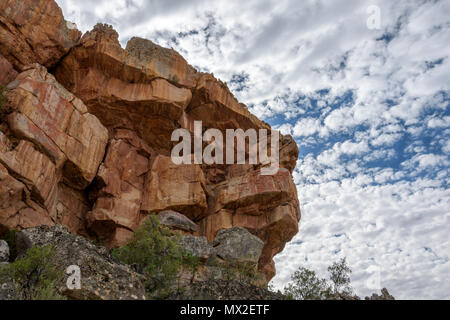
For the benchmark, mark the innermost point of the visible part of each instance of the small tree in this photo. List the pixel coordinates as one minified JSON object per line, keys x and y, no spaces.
{"x":34,"y":276}
{"x":340,"y":277}
{"x":155,"y":252}
{"x":306,"y":286}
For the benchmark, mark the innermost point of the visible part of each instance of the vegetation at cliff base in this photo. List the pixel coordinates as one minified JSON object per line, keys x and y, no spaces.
{"x":33,"y":275}
{"x":306,"y":285}
{"x":155,"y":252}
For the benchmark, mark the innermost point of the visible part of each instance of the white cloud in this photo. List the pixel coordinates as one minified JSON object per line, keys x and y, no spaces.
{"x":369,"y":109}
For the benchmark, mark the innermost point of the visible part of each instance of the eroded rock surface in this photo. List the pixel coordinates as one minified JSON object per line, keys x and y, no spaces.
{"x":227,"y":290}
{"x":237,"y":245}
{"x":176,"y":220}
{"x":88,"y":143}
{"x":34,"y":31}
{"x":102,"y":277}
{"x":385,"y":295}
{"x":7,"y":72}
{"x":50,"y":151}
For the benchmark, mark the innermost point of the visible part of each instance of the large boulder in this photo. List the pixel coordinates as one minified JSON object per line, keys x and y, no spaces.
{"x":197,"y":246}
{"x":177,"y":221}
{"x":102,"y":277}
{"x":34,"y":31}
{"x":237,"y":245}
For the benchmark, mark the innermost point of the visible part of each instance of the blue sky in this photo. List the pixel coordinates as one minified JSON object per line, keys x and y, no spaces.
{"x":369,"y":109}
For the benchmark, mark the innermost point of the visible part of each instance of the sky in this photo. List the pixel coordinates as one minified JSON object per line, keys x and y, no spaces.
{"x":367,"y":101}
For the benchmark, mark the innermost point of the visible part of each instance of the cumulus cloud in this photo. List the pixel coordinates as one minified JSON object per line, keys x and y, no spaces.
{"x":369,"y":109}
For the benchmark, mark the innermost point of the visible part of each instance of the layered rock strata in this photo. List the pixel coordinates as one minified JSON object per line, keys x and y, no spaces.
{"x":85,"y":139}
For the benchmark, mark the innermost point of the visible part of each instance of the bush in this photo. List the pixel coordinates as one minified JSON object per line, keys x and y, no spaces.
{"x":34,"y":276}
{"x":155,"y":252}
{"x":191,"y":263}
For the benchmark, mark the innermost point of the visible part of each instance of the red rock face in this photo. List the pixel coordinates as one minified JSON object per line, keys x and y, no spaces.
{"x":175,"y":187}
{"x":34,"y":31}
{"x":120,"y":184}
{"x":50,"y":151}
{"x":7,"y":72}
{"x":90,"y":147}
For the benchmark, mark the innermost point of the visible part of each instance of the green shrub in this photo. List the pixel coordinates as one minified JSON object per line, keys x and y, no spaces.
{"x":155,"y":252}
{"x":34,"y":276}
{"x":230,"y":271}
{"x":191,"y":263}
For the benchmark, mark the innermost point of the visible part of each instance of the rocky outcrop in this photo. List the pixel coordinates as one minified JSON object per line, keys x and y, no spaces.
{"x":102,"y":277}
{"x":34,"y":31}
{"x":85,"y":139}
{"x":238,"y":246}
{"x":226,"y":290}
{"x":197,"y":246}
{"x":385,"y":295}
{"x":177,"y":221}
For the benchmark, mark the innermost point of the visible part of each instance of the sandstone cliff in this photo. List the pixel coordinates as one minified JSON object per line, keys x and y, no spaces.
{"x":85,"y":138}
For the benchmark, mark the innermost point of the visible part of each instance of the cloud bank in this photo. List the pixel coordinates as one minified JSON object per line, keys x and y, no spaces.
{"x":369,"y":109}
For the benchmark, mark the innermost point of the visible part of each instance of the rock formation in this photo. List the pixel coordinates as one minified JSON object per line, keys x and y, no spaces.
{"x":226,"y":290}
{"x":103,"y":277}
{"x":34,"y":31}
{"x":385,"y":295}
{"x":85,"y":139}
